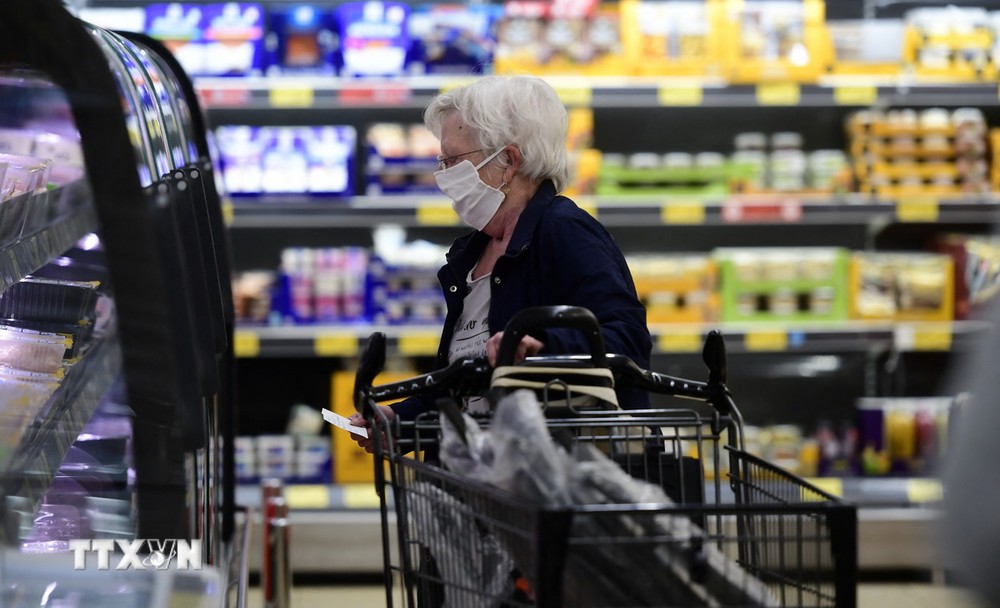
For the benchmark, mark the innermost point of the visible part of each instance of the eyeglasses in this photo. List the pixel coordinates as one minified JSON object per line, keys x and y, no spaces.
{"x":445,"y":162}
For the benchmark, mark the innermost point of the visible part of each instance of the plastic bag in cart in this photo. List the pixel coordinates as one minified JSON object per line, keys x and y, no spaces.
{"x":517,"y":455}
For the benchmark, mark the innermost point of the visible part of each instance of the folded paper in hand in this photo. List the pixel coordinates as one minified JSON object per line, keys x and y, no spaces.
{"x":340,"y":422}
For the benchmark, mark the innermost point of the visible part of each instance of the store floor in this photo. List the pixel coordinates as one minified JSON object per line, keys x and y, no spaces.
{"x":870,"y":595}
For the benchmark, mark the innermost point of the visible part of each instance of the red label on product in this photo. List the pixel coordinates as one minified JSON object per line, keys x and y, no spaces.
{"x":786,"y":211}
{"x":224,"y":97}
{"x":383,"y":94}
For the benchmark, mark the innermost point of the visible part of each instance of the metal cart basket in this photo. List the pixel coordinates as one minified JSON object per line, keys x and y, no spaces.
{"x":666,"y":510}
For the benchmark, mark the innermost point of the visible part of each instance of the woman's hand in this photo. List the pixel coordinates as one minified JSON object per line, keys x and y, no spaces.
{"x":527,"y":347}
{"x":368,"y":443}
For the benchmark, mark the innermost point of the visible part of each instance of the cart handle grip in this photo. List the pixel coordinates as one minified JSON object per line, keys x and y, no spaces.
{"x":370,"y":364}
{"x":544,"y":317}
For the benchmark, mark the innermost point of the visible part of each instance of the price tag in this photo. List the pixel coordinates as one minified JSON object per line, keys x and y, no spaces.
{"x":360,"y":496}
{"x":680,"y":96}
{"x":856,"y":96}
{"x":932,"y":337}
{"x":786,"y":211}
{"x":335,"y":345}
{"x":437,"y":214}
{"x":291,"y":97}
{"x":224,"y":97}
{"x":228,"y":212}
{"x":381,"y":94}
{"x":419,"y":344}
{"x":936,"y":339}
{"x":917,"y":209}
{"x":683,"y":213}
{"x":307,"y":496}
{"x":766,"y":340}
{"x":924,"y":490}
{"x":830,"y":485}
{"x":246,"y":344}
{"x":575,"y":96}
{"x":779,"y":94}
{"x":679,"y":342}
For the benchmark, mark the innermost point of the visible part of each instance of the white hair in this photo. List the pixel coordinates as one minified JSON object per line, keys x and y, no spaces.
{"x":523,"y":111}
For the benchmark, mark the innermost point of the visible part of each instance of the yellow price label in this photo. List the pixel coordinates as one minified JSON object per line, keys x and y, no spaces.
{"x":924,"y":490}
{"x":830,"y":485}
{"x":246,"y":343}
{"x":779,"y":94}
{"x":360,"y":496}
{"x":766,"y":340}
{"x":307,"y":496}
{"x":575,"y":96}
{"x":335,"y":345}
{"x":917,"y":209}
{"x":683,"y":213}
{"x":679,"y":342}
{"x":291,"y":97}
{"x":228,"y":212}
{"x":437,"y":214}
{"x":419,"y":344}
{"x":680,"y":96}
{"x":932,"y":339}
{"x":856,"y":96}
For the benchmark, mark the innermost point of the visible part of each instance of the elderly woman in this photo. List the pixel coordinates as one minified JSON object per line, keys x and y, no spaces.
{"x":503,"y":162}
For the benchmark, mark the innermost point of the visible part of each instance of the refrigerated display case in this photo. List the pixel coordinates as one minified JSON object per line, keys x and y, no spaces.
{"x":116,"y":320}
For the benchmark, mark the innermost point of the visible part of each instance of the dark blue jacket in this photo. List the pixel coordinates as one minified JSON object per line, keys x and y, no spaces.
{"x":558,"y":254}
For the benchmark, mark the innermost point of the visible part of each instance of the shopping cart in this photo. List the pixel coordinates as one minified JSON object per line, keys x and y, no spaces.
{"x":671,"y":511}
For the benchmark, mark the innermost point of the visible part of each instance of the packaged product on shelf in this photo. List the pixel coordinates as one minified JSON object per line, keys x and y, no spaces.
{"x":179,"y":27}
{"x":330,"y":154}
{"x":867,"y":47}
{"x":252,"y":295}
{"x":789,"y":284}
{"x":213,"y":39}
{"x":31,"y":351}
{"x":776,"y":40}
{"x":903,"y":436}
{"x":301,"y":39}
{"x":671,"y":38}
{"x":951,"y":44}
{"x":935,"y":151}
{"x":673,"y":173}
{"x":233,"y":39}
{"x":676,"y":288}
{"x":977,"y":270}
{"x":374,"y":38}
{"x":401,"y":159}
{"x":241,"y":150}
{"x":287,"y":160}
{"x":562,"y":37}
{"x":902,"y":286}
{"x":453,"y":38}
{"x":284,"y":163}
{"x":65,"y":154}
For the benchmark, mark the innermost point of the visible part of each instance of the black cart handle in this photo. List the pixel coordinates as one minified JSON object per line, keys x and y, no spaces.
{"x":544,"y":317}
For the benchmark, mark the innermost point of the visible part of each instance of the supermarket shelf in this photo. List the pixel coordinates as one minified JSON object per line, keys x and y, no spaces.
{"x":27,"y":253}
{"x":422,"y":340}
{"x":326,"y":92}
{"x":888,"y":537}
{"x":39,"y":450}
{"x":302,"y":211}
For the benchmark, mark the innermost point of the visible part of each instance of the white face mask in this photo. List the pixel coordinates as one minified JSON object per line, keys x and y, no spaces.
{"x":475,"y":201}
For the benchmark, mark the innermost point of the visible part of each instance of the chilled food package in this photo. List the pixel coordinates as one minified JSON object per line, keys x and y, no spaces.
{"x":31,"y":351}
{"x":46,"y":299}
{"x":374,"y":38}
